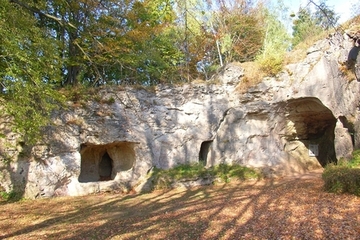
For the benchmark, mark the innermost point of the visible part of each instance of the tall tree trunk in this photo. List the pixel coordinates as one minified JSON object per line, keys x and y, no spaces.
{"x":73,"y":67}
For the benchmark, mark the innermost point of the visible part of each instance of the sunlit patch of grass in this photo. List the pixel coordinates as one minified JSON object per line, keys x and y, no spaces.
{"x":228,"y":172}
{"x":163,"y":179}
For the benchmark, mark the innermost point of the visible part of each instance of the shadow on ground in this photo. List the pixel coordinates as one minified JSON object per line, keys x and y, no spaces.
{"x":287,"y":208}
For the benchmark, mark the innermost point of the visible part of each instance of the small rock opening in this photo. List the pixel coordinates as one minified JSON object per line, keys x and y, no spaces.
{"x":350,"y":126}
{"x":204,"y":150}
{"x":105,"y":167}
{"x":104,"y":162}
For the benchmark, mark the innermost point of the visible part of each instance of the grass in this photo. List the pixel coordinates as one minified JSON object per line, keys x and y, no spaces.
{"x":343,"y":177}
{"x":12,"y":196}
{"x":79,"y":95}
{"x":299,"y":52}
{"x":163,"y":179}
{"x":253,"y":76}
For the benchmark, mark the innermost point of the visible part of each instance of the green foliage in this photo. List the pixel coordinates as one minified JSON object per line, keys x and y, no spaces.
{"x":271,"y":65}
{"x":227,"y":172}
{"x":325,"y":17}
{"x":276,"y":44}
{"x":111,"y":42}
{"x":343,"y":177}
{"x":310,"y":24}
{"x":162,"y":179}
{"x":30,"y":68}
{"x":354,"y":162}
{"x":11,"y":196}
{"x":304,"y":26}
{"x":240,"y":32}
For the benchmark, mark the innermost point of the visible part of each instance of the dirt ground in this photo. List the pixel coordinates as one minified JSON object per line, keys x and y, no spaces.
{"x":289,"y":208}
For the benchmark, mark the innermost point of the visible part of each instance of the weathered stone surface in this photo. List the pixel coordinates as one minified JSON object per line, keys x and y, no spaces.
{"x":300,"y":120}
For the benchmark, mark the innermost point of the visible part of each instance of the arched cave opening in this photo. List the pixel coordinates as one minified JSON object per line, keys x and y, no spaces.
{"x":104,"y":162}
{"x":204,"y":150}
{"x":105,"y":167}
{"x":311,"y":124}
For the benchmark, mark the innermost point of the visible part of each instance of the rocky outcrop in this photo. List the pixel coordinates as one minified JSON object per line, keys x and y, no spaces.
{"x":300,"y":120}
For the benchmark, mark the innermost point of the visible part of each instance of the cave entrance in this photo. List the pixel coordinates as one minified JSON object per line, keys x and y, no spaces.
{"x":105,"y":162}
{"x":310,"y":130}
{"x":204,"y":150}
{"x":105,"y":167}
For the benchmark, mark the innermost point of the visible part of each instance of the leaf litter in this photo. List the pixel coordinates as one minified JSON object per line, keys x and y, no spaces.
{"x":287,"y":208}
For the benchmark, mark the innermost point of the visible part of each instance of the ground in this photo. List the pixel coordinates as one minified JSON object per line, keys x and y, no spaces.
{"x":287,"y":208}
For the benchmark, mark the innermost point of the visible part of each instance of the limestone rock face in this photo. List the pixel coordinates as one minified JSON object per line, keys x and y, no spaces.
{"x":300,"y":120}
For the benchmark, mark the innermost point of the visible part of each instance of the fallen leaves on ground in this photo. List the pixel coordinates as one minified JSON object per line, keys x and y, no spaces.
{"x":289,"y":208}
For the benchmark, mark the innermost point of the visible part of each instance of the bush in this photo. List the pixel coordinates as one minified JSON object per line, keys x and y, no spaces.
{"x":342,"y":180}
{"x":271,"y":65}
{"x":344,"y":177}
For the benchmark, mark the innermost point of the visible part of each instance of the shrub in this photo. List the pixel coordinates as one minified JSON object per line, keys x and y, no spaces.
{"x":11,"y":196}
{"x":271,"y":65}
{"x":343,"y":177}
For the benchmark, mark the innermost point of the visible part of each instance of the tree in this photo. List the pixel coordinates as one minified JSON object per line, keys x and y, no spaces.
{"x":325,"y":17}
{"x":355,"y":9}
{"x":304,"y":26}
{"x":240,"y":30}
{"x":133,"y":45}
{"x":276,"y":42}
{"x":194,"y":36}
{"x":29,"y":70}
{"x":102,"y":41}
{"x":311,"y":24}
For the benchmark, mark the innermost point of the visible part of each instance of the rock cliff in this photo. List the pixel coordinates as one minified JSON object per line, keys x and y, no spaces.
{"x":302,"y":119}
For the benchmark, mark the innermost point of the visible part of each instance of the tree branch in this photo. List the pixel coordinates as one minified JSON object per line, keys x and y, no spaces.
{"x":38,"y":11}
{"x":326,"y":15}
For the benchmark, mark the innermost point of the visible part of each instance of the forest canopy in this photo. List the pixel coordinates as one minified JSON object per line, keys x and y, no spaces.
{"x":46,"y":45}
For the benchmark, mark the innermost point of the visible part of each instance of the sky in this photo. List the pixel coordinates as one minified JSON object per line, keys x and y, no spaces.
{"x":341,"y":7}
